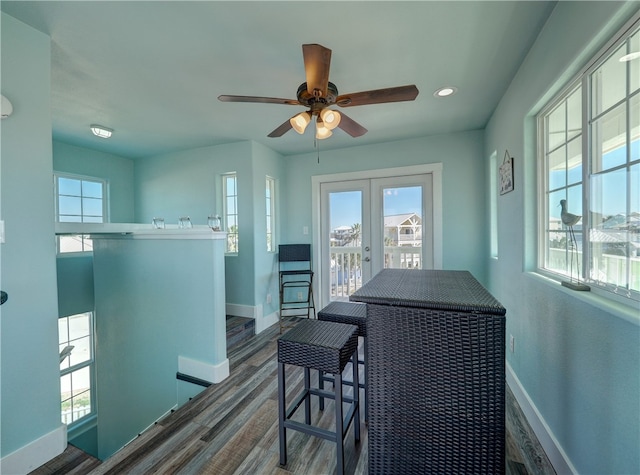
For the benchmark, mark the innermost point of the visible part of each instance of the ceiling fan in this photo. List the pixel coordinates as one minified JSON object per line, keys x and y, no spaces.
{"x":317,"y":94}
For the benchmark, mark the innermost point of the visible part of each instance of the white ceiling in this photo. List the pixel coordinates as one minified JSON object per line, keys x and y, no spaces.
{"x":152,"y":70}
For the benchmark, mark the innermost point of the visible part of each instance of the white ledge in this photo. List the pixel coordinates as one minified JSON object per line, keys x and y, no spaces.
{"x":138,"y":231}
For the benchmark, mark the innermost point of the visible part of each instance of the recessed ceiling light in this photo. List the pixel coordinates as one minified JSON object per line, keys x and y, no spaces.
{"x":630,"y":56}
{"x":446,"y":91}
{"x":101,"y":131}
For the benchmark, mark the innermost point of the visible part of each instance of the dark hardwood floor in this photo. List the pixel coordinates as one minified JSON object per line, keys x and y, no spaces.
{"x":231,"y":428}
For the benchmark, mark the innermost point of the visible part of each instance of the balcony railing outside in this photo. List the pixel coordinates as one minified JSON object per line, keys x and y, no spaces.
{"x":346,"y":270}
{"x":610,"y":269}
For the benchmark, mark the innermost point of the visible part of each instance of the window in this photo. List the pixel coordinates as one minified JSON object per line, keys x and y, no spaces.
{"x":493,"y":203}
{"x":75,"y":337}
{"x":230,"y":192}
{"x":590,"y":143}
{"x":79,"y":200}
{"x":271,"y":214}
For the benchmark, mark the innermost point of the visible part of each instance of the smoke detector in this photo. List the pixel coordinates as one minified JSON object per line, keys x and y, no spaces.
{"x":5,"y":107}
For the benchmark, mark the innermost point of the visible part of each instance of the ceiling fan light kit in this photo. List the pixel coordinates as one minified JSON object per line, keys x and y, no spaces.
{"x":299,"y":122}
{"x":322,"y":131}
{"x":330,"y":118}
{"x":317,"y":94}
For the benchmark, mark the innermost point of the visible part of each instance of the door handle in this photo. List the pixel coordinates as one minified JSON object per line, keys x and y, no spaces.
{"x":366,"y":248}
{"x":366,"y":259}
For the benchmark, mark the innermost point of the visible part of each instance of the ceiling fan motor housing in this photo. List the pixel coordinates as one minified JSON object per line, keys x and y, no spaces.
{"x":316,"y":104}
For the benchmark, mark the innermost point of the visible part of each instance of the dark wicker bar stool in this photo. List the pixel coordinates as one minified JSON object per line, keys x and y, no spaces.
{"x":352,"y":314}
{"x":323,"y":346}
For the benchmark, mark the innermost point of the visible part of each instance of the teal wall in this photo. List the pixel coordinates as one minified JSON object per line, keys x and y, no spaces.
{"x":30,"y":392}
{"x":75,"y":285}
{"x":156,"y":299}
{"x":266,"y":162}
{"x":576,"y":356}
{"x":464,"y":226}
{"x":116,"y":170}
{"x":189,"y":183}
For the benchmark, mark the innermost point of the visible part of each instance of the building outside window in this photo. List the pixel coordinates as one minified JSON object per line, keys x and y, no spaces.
{"x":79,"y":199}
{"x":230,"y":193}
{"x":75,"y":337}
{"x":271,"y":213}
{"x":590,"y":143}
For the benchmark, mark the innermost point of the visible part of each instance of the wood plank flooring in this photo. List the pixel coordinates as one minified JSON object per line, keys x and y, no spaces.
{"x":231,"y":428}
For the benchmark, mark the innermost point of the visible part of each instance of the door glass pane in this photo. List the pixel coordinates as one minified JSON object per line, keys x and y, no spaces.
{"x":345,"y":221}
{"x":402,"y":213}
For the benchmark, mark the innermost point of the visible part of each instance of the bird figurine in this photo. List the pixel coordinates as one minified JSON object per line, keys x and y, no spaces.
{"x":568,"y":219}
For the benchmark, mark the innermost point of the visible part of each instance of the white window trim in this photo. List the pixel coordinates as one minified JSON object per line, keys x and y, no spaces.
{"x":91,"y":363}
{"x":581,"y":79}
{"x":271,"y":183}
{"x":105,"y":190}
{"x":105,"y":207}
{"x":225,"y":214}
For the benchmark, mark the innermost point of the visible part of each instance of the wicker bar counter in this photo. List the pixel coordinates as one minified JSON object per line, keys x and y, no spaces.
{"x":435,"y":372}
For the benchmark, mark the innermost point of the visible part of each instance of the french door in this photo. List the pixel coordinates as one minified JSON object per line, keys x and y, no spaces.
{"x":371,"y":224}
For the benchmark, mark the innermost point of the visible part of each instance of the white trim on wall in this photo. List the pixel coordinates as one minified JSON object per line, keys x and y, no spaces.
{"x":261,"y":322}
{"x":36,"y":453}
{"x":214,"y":373}
{"x":552,"y":448}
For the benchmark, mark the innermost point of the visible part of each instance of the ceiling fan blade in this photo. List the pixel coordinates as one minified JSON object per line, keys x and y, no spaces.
{"x":281,"y":130}
{"x":317,"y":60}
{"x":350,"y":126}
{"x":378,"y":96}
{"x":262,"y":100}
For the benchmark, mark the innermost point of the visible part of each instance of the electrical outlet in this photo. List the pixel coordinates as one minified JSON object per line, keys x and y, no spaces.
{"x":268,"y":298}
{"x":512,"y":343}
{"x":300,"y":296}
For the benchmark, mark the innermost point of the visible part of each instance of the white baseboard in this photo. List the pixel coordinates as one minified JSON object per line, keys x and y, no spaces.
{"x":266,"y":322}
{"x":36,"y":453}
{"x":552,"y":448}
{"x":202,"y":370}
{"x":261,"y":322}
{"x":247,"y":311}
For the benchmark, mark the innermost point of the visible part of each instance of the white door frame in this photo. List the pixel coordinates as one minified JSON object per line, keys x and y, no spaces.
{"x":435,"y":169}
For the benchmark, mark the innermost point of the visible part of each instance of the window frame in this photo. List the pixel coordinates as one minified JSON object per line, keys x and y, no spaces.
{"x":89,"y":363}
{"x":232,"y":236}
{"x":270,"y":197}
{"x":85,"y":241}
{"x":585,"y":82}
